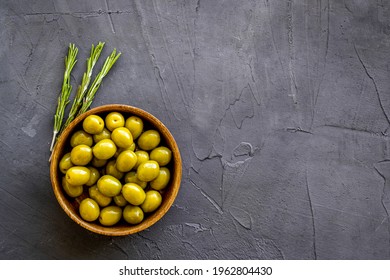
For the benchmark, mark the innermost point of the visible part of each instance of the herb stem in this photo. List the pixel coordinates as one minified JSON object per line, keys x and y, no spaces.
{"x":63,"y":98}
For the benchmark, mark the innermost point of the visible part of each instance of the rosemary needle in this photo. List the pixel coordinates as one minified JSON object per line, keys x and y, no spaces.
{"x":63,"y":98}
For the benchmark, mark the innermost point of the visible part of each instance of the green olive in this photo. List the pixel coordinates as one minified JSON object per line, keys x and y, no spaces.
{"x":81,"y":137}
{"x":162,"y":155}
{"x":131,"y":177}
{"x":152,"y":201}
{"x":95,"y":175}
{"x":105,"y":134}
{"x":112,"y":170}
{"x":81,"y":155}
{"x":98,"y":162}
{"x":120,"y":200}
{"x":149,"y":140}
{"x":104,"y":149}
{"x":100,"y":198}
{"x":148,"y":170}
{"x":93,"y":124}
{"x":110,"y":215}
{"x":142,"y":156}
{"x":126,"y":161}
{"x":162,"y":179}
{"x":77,"y":175}
{"x":109,"y":185}
{"x":133,"y":193}
{"x":70,"y":190}
{"x":132,"y":147}
{"x":122,"y":137}
{"x":135,"y":125}
{"x":133,"y":214}
{"x":89,"y":210}
{"x":114,"y":120}
{"x":65,"y":163}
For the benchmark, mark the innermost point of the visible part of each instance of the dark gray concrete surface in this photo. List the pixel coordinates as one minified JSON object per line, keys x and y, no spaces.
{"x":281,"y":110}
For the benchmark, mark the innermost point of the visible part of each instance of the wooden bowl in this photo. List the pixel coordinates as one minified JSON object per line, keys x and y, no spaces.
{"x":70,"y":205}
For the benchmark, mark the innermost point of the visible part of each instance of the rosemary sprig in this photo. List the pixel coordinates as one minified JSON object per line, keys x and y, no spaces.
{"x":82,"y":89}
{"x":110,"y":61}
{"x":63,"y":98}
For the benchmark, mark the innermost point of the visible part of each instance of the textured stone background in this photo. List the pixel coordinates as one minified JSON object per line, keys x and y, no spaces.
{"x":281,"y":110}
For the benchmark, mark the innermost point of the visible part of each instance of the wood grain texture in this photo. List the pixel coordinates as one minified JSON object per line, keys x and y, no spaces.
{"x":280,"y":110}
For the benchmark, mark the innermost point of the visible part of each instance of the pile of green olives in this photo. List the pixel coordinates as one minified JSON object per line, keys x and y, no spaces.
{"x":116,"y":169}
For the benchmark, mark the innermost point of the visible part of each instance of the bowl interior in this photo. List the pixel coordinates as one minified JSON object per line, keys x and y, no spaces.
{"x":70,"y":205}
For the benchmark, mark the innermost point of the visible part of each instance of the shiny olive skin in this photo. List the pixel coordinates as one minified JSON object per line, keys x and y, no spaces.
{"x":133,"y":193}
{"x":104,"y":149}
{"x":135,"y":125}
{"x":81,"y":137}
{"x":105,"y":134}
{"x":109,"y":185}
{"x":148,"y":170}
{"x":133,"y":214}
{"x":95,"y":175}
{"x":65,"y":163}
{"x":142,"y":156}
{"x":77,"y":175}
{"x":98,"y":162}
{"x":100,"y":198}
{"x":122,"y":137}
{"x":152,"y":201}
{"x":114,"y":120}
{"x":70,"y":190}
{"x":149,"y":140}
{"x":131,"y":177}
{"x":110,"y":215}
{"x":93,"y":124}
{"x":81,"y":155}
{"x":89,"y":210}
{"x":112,"y":170}
{"x":161,"y":180}
{"x":126,"y":161}
{"x":120,"y":200}
{"x":162,"y":155}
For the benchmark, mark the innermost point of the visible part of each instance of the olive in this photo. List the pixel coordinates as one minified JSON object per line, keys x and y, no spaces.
{"x":100,"y":198}
{"x":65,"y":163}
{"x":133,"y":193}
{"x":162,"y":155}
{"x":148,"y":170}
{"x":135,"y":125}
{"x":72,"y":191}
{"x":122,"y":137}
{"x":112,"y":170}
{"x":142,"y":156}
{"x":93,"y":124}
{"x":110,"y":215}
{"x":105,"y":134}
{"x":162,"y":179}
{"x":152,"y":201}
{"x":95,"y":175}
{"x":120,"y":200}
{"x":149,"y":140}
{"x":131,"y":177}
{"x":89,"y":209}
{"x":126,"y":161}
{"x":98,"y":162}
{"x":81,"y":155}
{"x":77,"y":175}
{"x":104,"y":149}
{"x":109,"y":185}
{"x":133,"y":214}
{"x":114,"y":120}
{"x":81,"y":137}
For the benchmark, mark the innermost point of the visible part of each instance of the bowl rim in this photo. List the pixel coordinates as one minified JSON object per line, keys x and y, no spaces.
{"x":175,"y":179}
